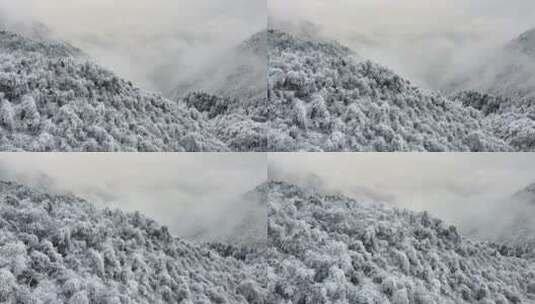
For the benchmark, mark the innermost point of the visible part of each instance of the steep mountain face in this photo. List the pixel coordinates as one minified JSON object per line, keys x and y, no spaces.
{"x":333,"y":249}
{"x":323,"y":97}
{"x":61,"y":249}
{"x":52,"y":98}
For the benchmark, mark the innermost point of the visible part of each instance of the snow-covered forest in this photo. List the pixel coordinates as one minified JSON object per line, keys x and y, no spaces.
{"x":275,"y":91}
{"x":333,"y":249}
{"x":61,"y":249}
{"x":54,"y":98}
{"x":321,"y":248}
{"x":326,"y":97}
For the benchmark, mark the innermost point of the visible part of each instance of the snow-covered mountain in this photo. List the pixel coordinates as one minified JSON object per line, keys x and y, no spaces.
{"x":333,"y":249}
{"x":61,"y":249}
{"x":324,"y":97}
{"x":54,"y":99}
{"x":321,"y":97}
{"x":321,"y":248}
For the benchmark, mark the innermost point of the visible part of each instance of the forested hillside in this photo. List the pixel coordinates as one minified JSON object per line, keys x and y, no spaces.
{"x":333,"y":249}
{"x":325,"y":97}
{"x":53,"y":98}
{"x":61,"y":249}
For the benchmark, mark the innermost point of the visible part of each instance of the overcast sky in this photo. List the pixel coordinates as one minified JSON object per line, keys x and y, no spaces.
{"x":194,"y":194}
{"x":466,"y":189}
{"x":420,"y":39}
{"x":150,"y":42}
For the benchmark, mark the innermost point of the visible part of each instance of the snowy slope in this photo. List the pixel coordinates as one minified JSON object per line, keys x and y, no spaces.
{"x":324,"y":97}
{"x":333,"y":249}
{"x":61,"y":249}
{"x":52,"y":98}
